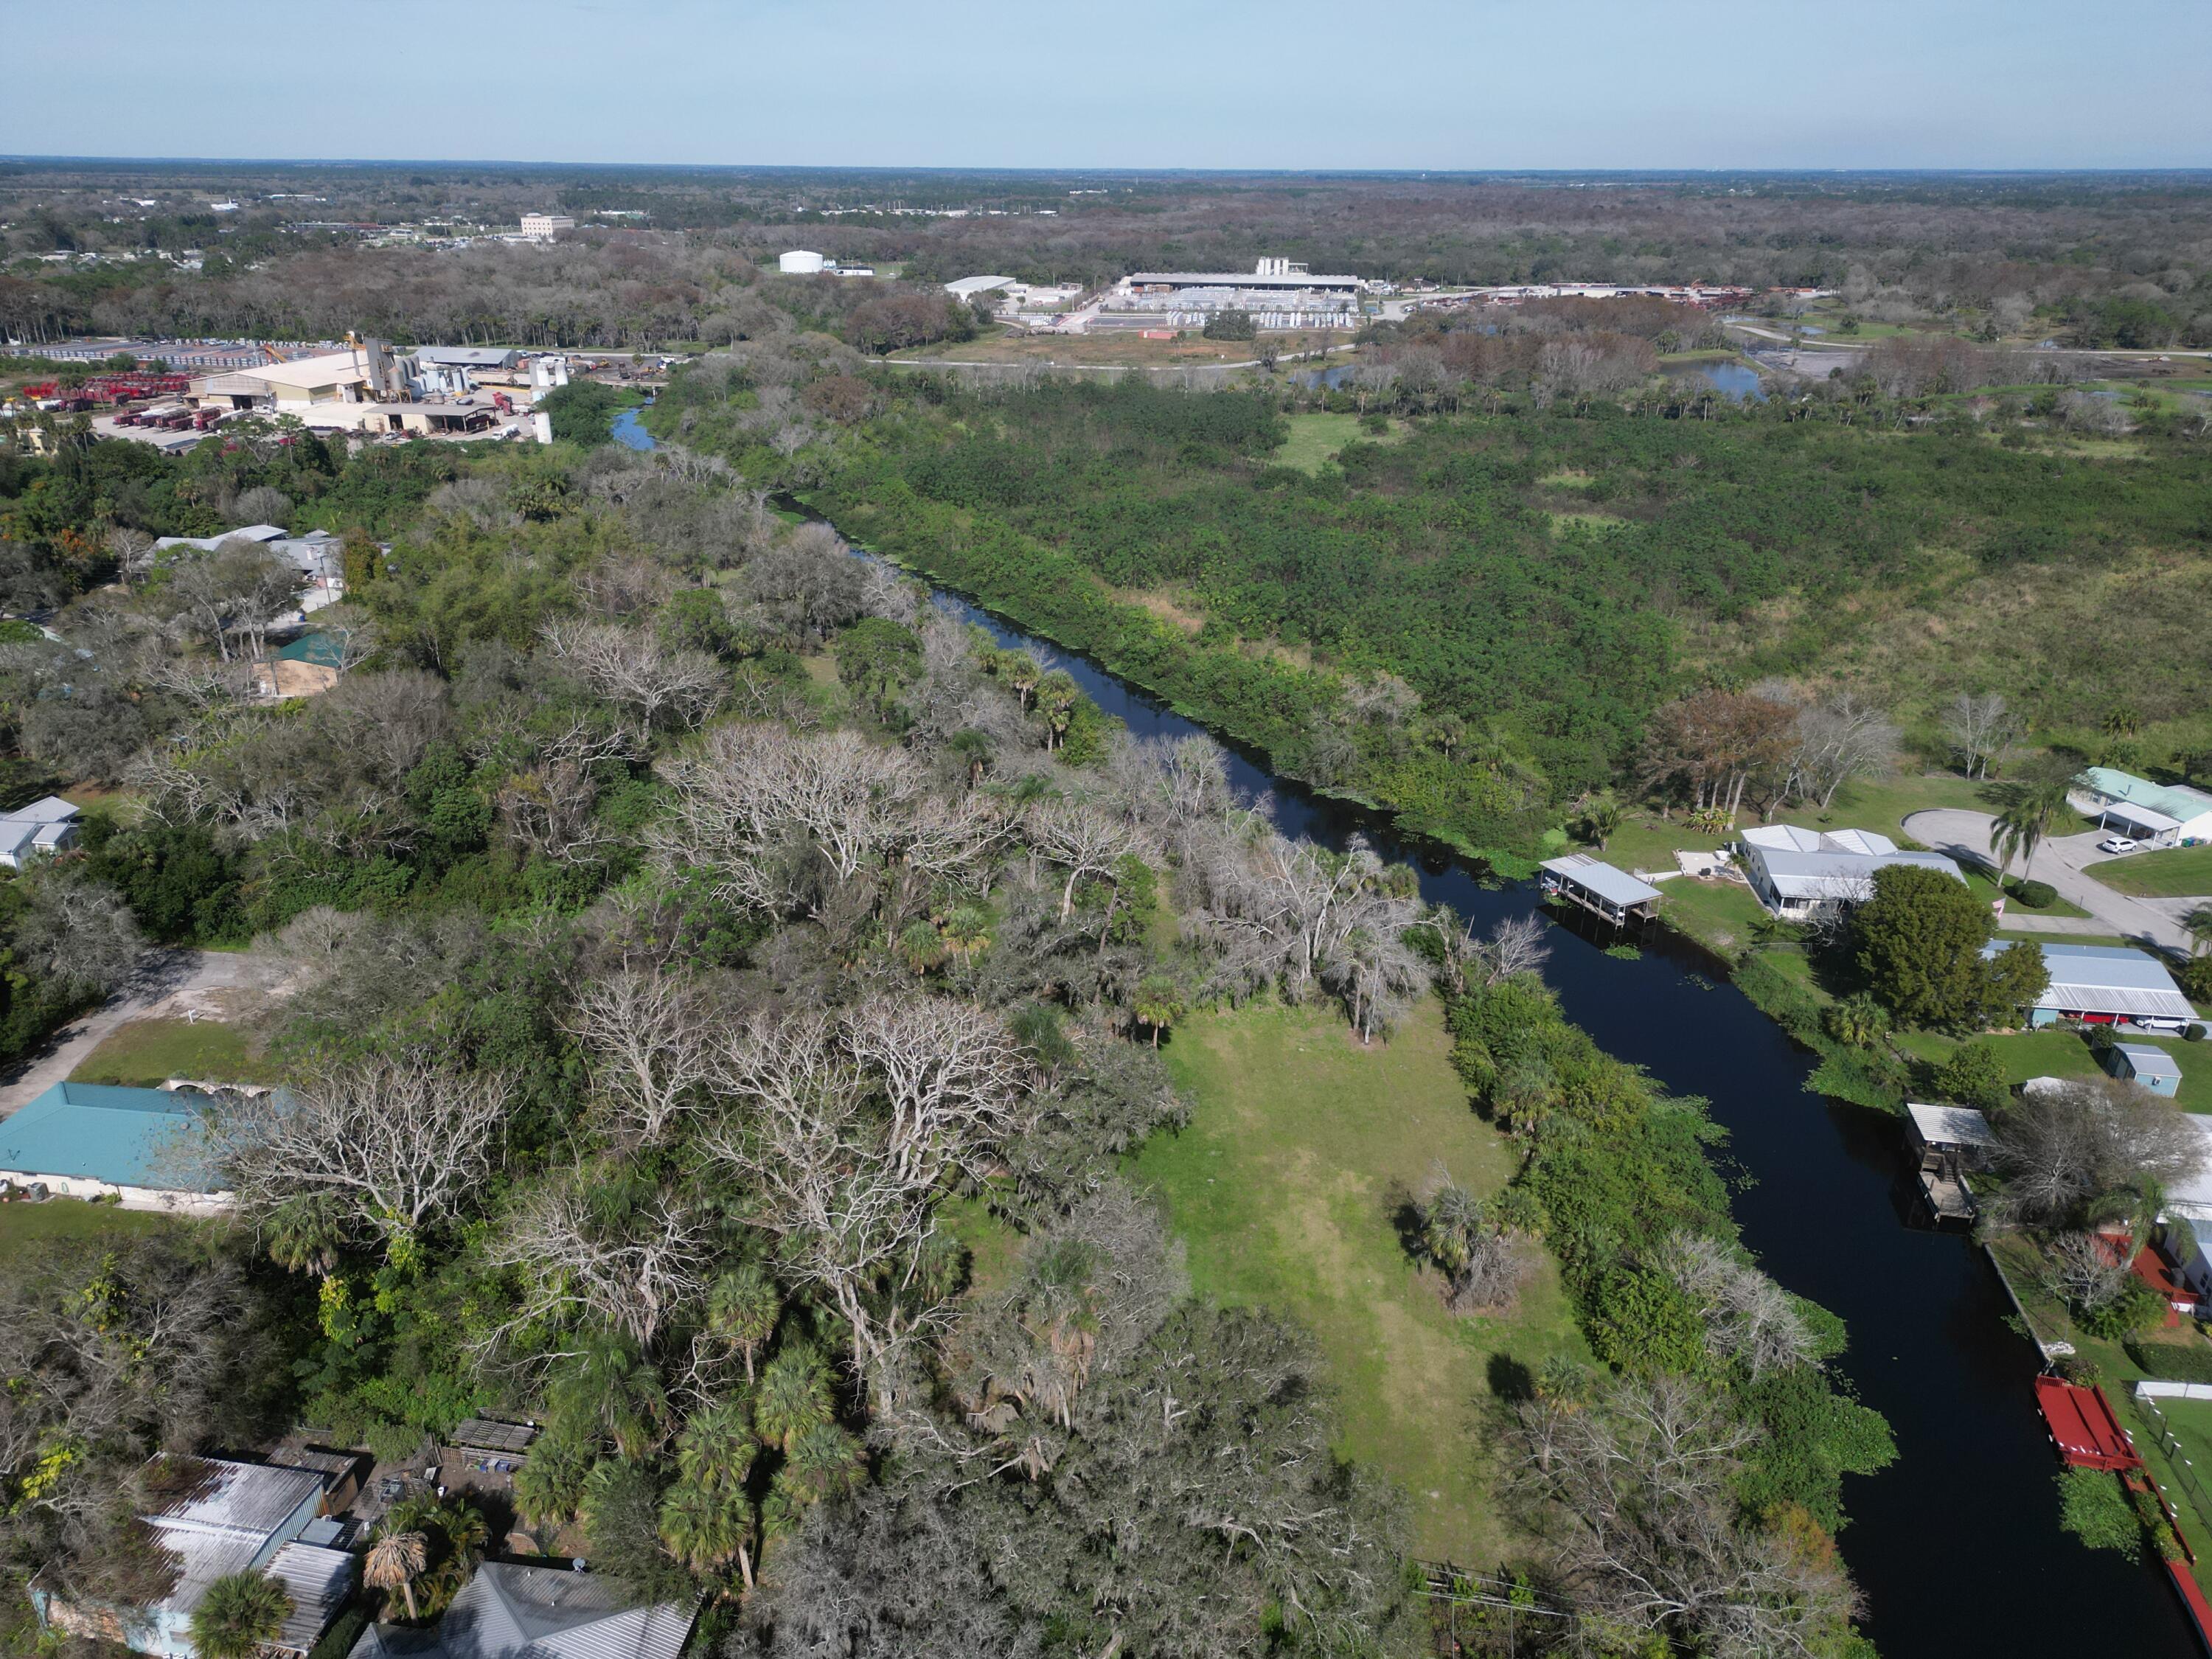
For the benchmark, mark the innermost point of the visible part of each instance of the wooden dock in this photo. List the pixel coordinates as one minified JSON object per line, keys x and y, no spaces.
{"x":1949,"y":1199}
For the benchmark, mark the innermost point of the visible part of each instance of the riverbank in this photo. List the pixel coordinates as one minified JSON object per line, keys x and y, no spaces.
{"x":1823,"y":1197}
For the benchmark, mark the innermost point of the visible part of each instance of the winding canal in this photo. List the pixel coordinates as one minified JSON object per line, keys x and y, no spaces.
{"x":1956,"y":1546}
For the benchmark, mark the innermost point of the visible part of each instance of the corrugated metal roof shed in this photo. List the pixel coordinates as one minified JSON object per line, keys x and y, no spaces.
{"x":1608,"y":882}
{"x":487,"y":1434}
{"x":1951,"y":1126}
{"x":508,"y":1612}
{"x":2106,"y":979}
{"x":319,"y":1580}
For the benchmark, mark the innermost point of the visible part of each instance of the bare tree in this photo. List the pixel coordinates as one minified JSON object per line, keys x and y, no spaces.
{"x":2092,"y":1149}
{"x":1644,"y":1485}
{"x":630,"y":666}
{"x":394,"y":1145}
{"x":73,"y":930}
{"x":846,"y":1128}
{"x":1979,"y":725}
{"x":1515,"y":945}
{"x":634,"y":1254}
{"x":1838,"y":739}
{"x":1749,"y":1318}
{"x":652,"y":1039}
{"x":1081,"y":840}
{"x":2081,"y":1270}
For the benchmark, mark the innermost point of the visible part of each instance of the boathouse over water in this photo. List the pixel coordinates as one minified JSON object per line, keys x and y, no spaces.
{"x":1599,"y":888}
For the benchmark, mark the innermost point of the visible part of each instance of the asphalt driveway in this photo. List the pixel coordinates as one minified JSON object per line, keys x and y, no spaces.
{"x":1965,"y":837}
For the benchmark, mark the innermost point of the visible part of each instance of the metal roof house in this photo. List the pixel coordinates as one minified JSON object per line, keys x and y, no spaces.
{"x":1600,"y":888}
{"x":1799,"y":873}
{"x":2105,"y":985}
{"x":45,"y":826}
{"x":508,"y":1612}
{"x":2140,"y":1062}
{"x":224,"y":1518}
{"x":142,"y":1146}
{"x":2159,"y":814}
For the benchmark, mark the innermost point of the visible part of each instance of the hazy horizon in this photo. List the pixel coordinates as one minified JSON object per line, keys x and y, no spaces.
{"x":1296,"y":86}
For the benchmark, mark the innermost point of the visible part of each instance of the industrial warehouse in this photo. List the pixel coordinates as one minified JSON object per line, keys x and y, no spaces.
{"x":1276,"y":293}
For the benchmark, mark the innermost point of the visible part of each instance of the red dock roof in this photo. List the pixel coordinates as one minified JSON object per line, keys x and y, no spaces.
{"x":2083,"y":1426}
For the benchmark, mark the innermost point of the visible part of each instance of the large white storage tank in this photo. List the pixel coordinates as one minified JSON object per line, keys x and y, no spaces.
{"x":799,"y":263}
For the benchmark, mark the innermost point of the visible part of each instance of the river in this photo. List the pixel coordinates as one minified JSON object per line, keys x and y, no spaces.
{"x":1956,"y":1546}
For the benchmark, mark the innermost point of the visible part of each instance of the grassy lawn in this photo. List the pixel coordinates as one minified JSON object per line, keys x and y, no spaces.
{"x":2177,"y":873}
{"x":25,"y":1226}
{"x":2063,"y":1054}
{"x":1287,"y":1187}
{"x":146,"y":1053}
{"x":1315,"y":439}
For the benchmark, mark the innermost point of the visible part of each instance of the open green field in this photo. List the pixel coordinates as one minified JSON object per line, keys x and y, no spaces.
{"x":145,"y":1053}
{"x":2177,"y":873}
{"x":1315,"y":439}
{"x":25,"y":1226}
{"x":1302,"y":1151}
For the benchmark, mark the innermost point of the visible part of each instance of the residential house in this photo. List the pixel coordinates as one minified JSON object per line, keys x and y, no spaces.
{"x":221,"y":1518}
{"x":2108,"y":985}
{"x":1799,"y":873}
{"x":42,"y":827}
{"x":511,"y":1612}
{"x":2155,"y":814}
{"x":141,"y":1147}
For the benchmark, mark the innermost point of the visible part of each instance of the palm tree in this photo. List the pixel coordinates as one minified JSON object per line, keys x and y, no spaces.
{"x":2198,"y":925}
{"x":794,"y":1397}
{"x":1159,"y":1004}
{"x":1452,"y":1222}
{"x":238,"y":1615}
{"x":743,"y":1311}
{"x":974,"y":748}
{"x":1057,"y":695}
{"x":393,"y":1561}
{"x":706,"y":1529}
{"x":2021,"y":827}
{"x":824,"y":1463}
{"x":715,"y":1453}
{"x":612,"y":1388}
{"x":1023,"y":672}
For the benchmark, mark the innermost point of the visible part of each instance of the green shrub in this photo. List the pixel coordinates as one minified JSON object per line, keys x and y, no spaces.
{"x":2091,"y":1506}
{"x":2035,"y":895}
{"x":2173,"y":1362}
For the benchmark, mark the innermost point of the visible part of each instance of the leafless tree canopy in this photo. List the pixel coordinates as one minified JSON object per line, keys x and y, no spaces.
{"x":385,"y":1147}
{"x":1643,"y":1480}
{"x":2069,"y":1153}
{"x":1750,"y":1321}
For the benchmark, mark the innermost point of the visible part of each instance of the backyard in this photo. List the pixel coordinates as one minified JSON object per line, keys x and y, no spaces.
{"x":24,"y":1227}
{"x":1291,"y":1187}
{"x":146,"y":1053}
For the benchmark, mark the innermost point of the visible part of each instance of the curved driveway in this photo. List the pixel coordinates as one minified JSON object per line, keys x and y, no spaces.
{"x":1965,"y":837}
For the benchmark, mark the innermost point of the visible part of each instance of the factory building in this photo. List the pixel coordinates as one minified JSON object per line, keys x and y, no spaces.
{"x":1277,"y":293}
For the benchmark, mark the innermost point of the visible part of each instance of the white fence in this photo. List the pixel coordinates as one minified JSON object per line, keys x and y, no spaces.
{"x":2155,"y":1390}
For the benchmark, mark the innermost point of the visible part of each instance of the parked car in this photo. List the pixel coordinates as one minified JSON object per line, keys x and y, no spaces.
{"x":2115,"y":844}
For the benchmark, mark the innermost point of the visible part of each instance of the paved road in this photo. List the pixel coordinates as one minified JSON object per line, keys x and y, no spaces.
{"x":1965,"y":835}
{"x":174,"y":983}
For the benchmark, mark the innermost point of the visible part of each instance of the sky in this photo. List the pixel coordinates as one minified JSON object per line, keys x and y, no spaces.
{"x":1410,"y":84}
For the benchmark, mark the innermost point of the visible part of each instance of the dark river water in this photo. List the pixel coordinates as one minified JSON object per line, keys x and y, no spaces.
{"x":1956,"y":1546}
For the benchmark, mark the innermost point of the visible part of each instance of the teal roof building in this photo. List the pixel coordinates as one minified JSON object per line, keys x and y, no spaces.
{"x":89,"y":1140}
